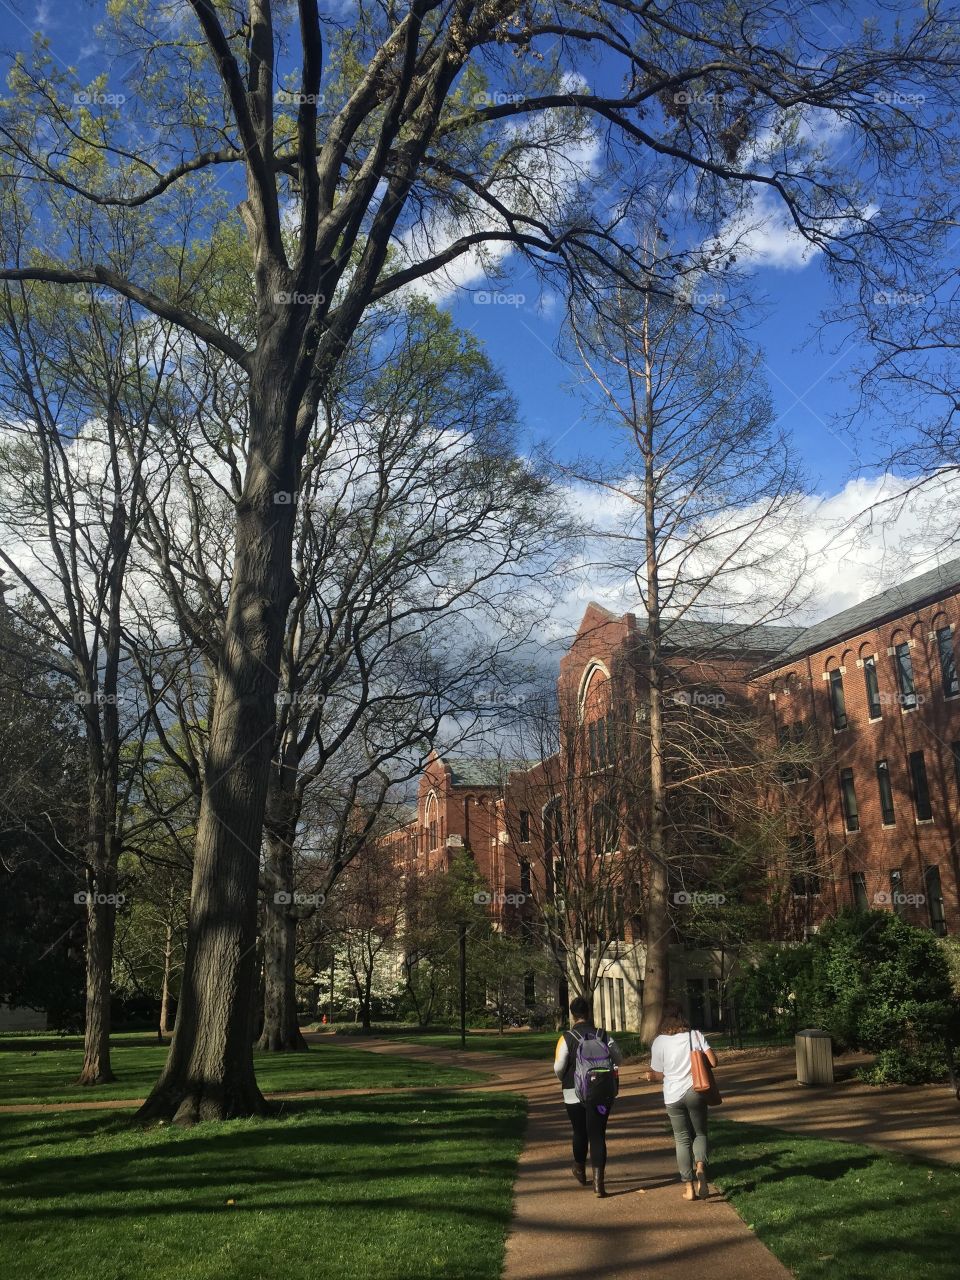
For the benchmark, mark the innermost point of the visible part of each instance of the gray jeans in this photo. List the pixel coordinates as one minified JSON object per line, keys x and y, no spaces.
{"x":688,"y":1117}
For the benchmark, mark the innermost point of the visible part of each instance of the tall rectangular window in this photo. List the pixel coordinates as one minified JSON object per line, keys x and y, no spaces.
{"x":897,"y":896}
{"x":886,"y":794}
{"x":798,"y":737}
{"x":592,"y":740}
{"x":524,"y":826}
{"x":920,"y":786}
{"x":955,"y":752}
{"x":785,"y":771}
{"x":848,"y":801}
{"x":858,"y":888}
{"x":874,"y":709}
{"x":838,"y":704}
{"x":602,"y":743}
{"x":905,"y":682}
{"x":933,"y":890}
{"x":948,"y":663}
{"x":525,"y":877}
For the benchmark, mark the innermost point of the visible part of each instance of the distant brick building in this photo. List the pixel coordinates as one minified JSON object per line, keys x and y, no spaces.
{"x":865,"y":707}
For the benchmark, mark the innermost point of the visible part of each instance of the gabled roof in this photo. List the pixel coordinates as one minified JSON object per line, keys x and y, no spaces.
{"x":902,"y":598}
{"x":694,"y":635}
{"x":468,"y":771}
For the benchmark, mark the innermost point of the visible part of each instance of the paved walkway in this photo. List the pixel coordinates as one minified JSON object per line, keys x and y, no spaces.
{"x":915,"y":1120}
{"x":644,"y":1230}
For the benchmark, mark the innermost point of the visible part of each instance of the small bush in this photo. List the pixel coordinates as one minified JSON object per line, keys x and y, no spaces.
{"x":775,"y":996}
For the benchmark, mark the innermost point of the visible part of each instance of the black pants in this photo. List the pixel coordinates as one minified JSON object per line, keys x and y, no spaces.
{"x":589,"y":1129}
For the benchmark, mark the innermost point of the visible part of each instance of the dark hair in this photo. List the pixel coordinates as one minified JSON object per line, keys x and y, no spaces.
{"x":580,"y":1008}
{"x":673,"y":1019}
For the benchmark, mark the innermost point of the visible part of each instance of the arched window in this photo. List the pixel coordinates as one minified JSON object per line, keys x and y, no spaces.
{"x":431,"y":821}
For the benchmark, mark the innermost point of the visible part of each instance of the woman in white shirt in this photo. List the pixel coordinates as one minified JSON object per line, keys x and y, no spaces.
{"x":670,"y":1062}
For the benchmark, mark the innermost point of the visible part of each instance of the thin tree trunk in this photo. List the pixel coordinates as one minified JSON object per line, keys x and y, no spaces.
{"x":658,"y":924}
{"x":209,"y":1073}
{"x":165,"y":1027}
{"x":101,"y":926}
{"x":281,"y":1029}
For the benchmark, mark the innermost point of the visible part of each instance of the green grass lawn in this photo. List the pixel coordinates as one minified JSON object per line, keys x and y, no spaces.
{"x":838,"y":1211}
{"x":48,"y":1074}
{"x":393,"y":1187}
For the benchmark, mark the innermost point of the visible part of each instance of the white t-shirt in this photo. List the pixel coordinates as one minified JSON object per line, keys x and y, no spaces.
{"x":670,"y":1055}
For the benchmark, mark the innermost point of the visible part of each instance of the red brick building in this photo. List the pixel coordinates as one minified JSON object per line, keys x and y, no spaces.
{"x":873,"y":694}
{"x":865,"y":709}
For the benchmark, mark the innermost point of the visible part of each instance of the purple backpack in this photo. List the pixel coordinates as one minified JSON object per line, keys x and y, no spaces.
{"x":596,"y":1080}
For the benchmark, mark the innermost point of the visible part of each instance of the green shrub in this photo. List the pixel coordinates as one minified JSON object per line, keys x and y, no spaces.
{"x":775,"y":995}
{"x":883,"y":985}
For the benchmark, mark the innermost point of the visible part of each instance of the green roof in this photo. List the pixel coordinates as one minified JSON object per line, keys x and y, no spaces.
{"x":470,"y":771}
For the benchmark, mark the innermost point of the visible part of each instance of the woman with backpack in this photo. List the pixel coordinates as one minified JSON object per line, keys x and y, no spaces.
{"x":585,"y":1063}
{"x":687,"y":1109}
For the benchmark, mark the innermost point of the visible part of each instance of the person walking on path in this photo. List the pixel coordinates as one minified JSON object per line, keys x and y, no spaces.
{"x":587,"y":1119}
{"x":687,"y":1109}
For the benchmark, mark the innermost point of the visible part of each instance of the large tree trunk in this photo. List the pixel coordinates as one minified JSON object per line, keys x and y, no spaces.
{"x":101,"y":925}
{"x":209,"y":1073}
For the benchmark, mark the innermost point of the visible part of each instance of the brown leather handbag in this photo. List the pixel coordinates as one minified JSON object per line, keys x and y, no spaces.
{"x":703,"y":1078}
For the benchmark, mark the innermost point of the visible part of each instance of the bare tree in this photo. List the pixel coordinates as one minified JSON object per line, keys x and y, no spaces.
{"x":75,"y":381}
{"x":709,"y":497}
{"x":424,"y":139}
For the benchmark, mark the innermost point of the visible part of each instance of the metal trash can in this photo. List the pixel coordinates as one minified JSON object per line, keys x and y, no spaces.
{"x":814,"y":1057}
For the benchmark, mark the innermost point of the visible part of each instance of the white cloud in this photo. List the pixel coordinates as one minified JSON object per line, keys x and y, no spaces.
{"x":853,"y":547}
